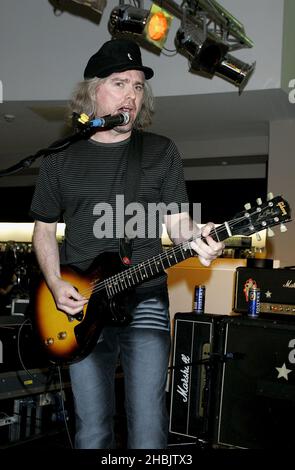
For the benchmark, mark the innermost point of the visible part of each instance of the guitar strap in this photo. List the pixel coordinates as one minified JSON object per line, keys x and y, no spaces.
{"x":132,"y":184}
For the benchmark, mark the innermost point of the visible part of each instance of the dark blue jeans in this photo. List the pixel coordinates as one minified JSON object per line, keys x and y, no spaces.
{"x":144,"y":355}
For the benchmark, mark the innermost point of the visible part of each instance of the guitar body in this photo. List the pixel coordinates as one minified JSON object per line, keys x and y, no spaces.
{"x":69,"y":338}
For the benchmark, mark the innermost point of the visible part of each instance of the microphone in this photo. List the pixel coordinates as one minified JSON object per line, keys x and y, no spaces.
{"x":110,"y":121}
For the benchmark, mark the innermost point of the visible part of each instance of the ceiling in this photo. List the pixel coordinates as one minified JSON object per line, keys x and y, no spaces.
{"x":186,"y":119}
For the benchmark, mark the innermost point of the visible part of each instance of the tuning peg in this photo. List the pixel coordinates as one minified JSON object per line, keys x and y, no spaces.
{"x":269,"y":196}
{"x":283,"y":228}
{"x":270,"y":233}
{"x":258,"y":237}
{"x":247,"y":206}
{"x":259,"y":201}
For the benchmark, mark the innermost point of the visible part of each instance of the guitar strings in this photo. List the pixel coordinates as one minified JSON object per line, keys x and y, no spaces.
{"x":134,"y":270}
{"x":137,"y":268}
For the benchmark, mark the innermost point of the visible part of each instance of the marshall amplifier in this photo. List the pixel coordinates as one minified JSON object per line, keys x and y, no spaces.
{"x":192,"y":383}
{"x":277,"y":288}
{"x":256,"y":404}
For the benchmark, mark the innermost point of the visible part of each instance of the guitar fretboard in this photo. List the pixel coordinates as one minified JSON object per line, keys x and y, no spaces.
{"x":144,"y":271}
{"x":272,"y":213}
{"x":141,"y":272}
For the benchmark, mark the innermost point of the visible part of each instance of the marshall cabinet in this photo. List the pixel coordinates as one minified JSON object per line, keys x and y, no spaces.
{"x":196,"y":337}
{"x":256,"y":404}
{"x":233,"y":380}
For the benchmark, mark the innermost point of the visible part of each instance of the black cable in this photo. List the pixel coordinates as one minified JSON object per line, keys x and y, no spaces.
{"x":28,"y":321}
{"x":56,"y":367}
{"x":63,"y":408}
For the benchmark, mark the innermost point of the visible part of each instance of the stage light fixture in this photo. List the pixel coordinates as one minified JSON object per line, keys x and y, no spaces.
{"x":204,"y":53}
{"x":210,"y":57}
{"x":153,"y":25}
{"x":207,"y":35}
{"x":157,"y":26}
{"x":235,"y":71}
{"x":128,"y":19}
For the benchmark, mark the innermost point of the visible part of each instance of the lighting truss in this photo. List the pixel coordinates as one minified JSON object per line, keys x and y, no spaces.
{"x":207,"y":35}
{"x":212,"y":18}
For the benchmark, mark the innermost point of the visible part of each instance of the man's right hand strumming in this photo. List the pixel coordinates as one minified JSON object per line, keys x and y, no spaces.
{"x":66,"y":297}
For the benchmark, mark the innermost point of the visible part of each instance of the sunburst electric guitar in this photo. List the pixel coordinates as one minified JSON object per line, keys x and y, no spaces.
{"x":70,"y":338}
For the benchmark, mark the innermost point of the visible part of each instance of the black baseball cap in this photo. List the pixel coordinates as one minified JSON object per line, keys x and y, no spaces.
{"x":116,"y":55}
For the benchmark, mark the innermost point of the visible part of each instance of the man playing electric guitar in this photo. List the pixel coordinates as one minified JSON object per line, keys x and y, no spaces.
{"x":82,"y":184}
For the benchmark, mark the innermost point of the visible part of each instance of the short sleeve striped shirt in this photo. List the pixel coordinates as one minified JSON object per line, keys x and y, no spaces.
{"x":84,"y":186}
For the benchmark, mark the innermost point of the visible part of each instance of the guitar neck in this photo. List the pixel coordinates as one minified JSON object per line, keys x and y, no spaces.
{"x":151,"y":267}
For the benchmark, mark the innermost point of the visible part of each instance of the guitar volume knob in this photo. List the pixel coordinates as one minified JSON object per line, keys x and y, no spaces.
{"x":49,"y":341}
{"x":62,"y":335}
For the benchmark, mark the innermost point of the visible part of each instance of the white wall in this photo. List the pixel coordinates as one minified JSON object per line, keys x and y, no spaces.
{"x":227,"y":172}
{"x":288,"y":59}
{"x":42,"y":56}
{"x":226,"y":147}
{"x":281,"y":181}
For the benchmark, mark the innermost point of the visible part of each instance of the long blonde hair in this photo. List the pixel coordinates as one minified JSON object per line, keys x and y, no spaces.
{"x":83,"y":100}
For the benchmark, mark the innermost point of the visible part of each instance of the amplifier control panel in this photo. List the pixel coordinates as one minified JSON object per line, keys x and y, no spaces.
{"x":283,"y":309}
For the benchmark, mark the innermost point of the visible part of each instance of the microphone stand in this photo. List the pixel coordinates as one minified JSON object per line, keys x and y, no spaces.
{"x":57,"y":146}
{"x":214,"y":358}
{"x":84,"y":129}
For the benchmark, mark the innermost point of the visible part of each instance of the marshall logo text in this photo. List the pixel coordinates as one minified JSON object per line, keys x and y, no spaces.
{"x":289,"y":284}
{"x":185,"y":371}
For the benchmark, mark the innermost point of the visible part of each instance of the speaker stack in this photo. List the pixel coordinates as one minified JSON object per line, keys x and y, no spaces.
{"x":194,"y":375}
{"x":256,"y":403}
{"x":233,"y":381}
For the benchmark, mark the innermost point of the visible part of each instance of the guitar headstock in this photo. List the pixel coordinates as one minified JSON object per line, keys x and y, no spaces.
{"x":267,"y":214}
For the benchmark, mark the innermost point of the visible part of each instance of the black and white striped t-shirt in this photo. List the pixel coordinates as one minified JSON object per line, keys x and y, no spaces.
{"x":75,"y":184}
